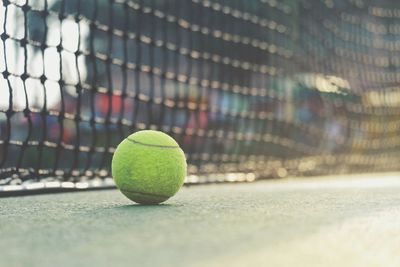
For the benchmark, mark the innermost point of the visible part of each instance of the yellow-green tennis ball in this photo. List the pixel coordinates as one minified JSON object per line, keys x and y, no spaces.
{"x":148,"y":167}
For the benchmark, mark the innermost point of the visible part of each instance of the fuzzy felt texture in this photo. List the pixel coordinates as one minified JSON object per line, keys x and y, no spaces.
{"x":149,"y":167}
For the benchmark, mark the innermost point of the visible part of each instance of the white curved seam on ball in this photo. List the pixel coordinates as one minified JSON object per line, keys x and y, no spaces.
{"x":146,"y":194}
{"x":144,"y":144}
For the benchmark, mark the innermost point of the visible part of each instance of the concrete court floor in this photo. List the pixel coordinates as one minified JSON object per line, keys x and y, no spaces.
{"x":349,"y":220}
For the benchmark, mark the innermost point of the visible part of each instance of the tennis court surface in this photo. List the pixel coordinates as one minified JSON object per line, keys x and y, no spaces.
{"x":321,"y":221}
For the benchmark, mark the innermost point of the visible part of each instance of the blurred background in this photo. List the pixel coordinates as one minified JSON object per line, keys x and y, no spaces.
{"x":250,"y":89}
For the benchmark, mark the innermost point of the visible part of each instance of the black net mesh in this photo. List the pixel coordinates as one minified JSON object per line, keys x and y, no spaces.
{"x":249,"y":89}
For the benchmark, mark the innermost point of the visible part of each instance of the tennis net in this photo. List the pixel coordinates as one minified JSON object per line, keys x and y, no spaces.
{"x":249,"y":89}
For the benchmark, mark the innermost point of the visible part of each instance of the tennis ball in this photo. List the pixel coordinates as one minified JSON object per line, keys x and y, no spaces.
{"x":148,"y":167}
